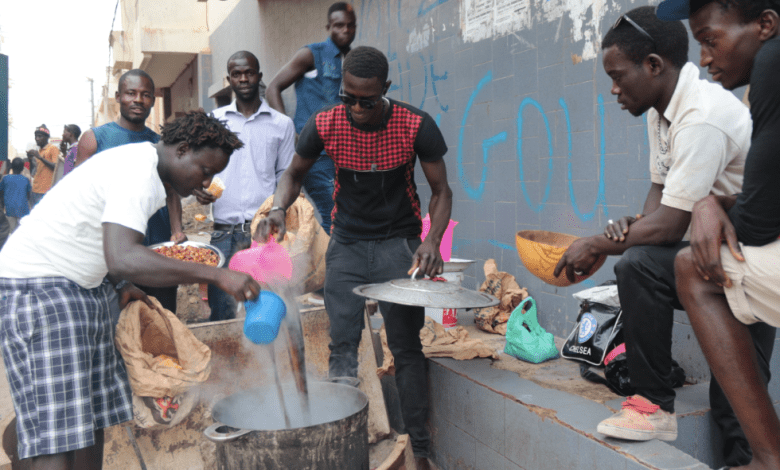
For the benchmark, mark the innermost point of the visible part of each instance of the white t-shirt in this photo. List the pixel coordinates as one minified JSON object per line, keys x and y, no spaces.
{"x":63,"y":235}
{"x":706,"y":135}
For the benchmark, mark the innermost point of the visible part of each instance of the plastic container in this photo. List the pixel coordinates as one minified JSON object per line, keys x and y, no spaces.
{"x":263,"y":317}
{"x":445,"y":248}
{"x":269,"y":263}
{"x":448,"y":317}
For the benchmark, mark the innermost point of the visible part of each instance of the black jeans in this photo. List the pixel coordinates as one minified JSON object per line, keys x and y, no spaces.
{"x":648,"y":296}
{"x":349,"y":265}
{"x":223,"y":305}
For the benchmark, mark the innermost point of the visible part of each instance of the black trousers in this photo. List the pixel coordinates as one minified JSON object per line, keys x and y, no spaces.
{"x":349,"y":265}
{"x":648,"y":296}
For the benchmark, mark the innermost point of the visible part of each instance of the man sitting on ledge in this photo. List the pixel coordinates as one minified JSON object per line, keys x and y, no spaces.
{"x":728,"y":287}
{"x":699,"y":138}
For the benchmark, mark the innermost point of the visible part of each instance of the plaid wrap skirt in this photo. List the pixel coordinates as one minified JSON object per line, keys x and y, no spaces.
{"x":67,"y":378}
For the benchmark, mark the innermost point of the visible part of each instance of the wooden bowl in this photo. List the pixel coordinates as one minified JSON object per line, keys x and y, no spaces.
{"x":540,"y":252}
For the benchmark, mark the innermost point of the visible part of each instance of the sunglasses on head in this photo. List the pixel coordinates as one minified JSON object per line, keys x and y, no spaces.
{"x":632,"y":23}
{"x":352,"y":101}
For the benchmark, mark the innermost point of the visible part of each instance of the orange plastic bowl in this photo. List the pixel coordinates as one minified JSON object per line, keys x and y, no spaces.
{"x":540,"y":252}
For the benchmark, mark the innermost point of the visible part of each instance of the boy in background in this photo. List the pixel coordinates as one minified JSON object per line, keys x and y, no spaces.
{"x":15,"y":191}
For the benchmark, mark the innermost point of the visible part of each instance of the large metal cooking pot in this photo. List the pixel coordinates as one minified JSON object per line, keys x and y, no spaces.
{"x":250,"y":435}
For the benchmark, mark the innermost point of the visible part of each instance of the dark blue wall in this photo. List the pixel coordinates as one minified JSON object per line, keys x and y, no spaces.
{"x":536,"y":139}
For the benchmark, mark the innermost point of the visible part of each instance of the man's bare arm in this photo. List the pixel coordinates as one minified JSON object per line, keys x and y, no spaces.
{"x":428,"y":256}
{"x":662,"y":226}
{"x":302,"y":62}
{"x":128,"y":259}
{"x":87,"y":147}
{"x":47,"y":163}
{"x":653,"y":199}
{"x":173,"y":201}
{"x":710,"y":227}
{"x":617,"y":230}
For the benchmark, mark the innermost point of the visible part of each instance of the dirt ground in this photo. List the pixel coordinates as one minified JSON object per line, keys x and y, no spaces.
{"x":189,"y":306}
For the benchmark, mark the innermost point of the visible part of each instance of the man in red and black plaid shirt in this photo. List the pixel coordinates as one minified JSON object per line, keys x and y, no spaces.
{"x":374,"y":143}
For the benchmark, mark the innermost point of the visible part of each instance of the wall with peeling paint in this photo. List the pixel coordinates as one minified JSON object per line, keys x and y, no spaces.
{"x":535,"y":139}
{"x":184,"y":90}
{"x":273,"y":31}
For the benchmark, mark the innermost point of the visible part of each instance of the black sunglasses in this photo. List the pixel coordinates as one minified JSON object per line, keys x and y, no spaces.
{"x":352,"y":101}
{"x":632,"y":23}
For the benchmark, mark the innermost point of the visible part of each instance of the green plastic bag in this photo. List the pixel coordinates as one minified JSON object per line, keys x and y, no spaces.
{"x":531,"y":344}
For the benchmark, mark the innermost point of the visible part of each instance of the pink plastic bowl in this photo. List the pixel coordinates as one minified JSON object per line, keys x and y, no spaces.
{"x":269,"y":263}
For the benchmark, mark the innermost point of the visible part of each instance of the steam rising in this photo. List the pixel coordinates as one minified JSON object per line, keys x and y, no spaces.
{"x":252,"y":369}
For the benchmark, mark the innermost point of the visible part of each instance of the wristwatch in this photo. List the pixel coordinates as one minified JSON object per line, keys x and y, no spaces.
{"x":278,"y":208}
{"x":121,"y":284}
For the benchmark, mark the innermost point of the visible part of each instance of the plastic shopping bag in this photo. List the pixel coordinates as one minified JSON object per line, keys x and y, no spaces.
{"x":525,"y":338}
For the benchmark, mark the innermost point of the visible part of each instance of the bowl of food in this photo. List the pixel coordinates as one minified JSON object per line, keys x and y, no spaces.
{"x":195,"y":252}
{"x":540,"y":252}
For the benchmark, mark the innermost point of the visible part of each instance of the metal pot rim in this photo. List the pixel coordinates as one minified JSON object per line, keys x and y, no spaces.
{"x":212,"y":434}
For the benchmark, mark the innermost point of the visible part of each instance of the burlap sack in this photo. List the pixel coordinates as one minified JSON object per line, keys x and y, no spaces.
{"x":504,"y":287}
{"x":143,"y":334}
{"x":305,"y":240}
{"x":438,"y":342}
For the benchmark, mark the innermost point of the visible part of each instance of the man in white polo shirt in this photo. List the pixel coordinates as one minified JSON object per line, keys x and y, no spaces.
{"x":699,"y":135}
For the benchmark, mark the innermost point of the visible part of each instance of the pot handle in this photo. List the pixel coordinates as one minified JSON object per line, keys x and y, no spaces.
{"x":220,"y":437}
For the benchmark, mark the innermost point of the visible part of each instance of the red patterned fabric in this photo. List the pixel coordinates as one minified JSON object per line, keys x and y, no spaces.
{"x":375,"y":192}
{"x":355,"y":149}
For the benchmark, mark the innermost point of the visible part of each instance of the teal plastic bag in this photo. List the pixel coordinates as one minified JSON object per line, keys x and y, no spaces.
{"x":532,"y":344}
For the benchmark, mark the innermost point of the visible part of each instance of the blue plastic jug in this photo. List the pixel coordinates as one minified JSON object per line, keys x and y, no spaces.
{"x":263,"y":317}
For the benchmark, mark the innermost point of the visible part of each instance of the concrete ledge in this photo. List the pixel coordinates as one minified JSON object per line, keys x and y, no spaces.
{"x":486,"y":418}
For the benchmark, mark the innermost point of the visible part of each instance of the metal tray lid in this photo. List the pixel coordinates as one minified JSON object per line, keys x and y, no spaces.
{"x":426,"y":293}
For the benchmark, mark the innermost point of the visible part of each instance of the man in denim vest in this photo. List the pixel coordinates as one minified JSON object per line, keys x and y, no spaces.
{"x":316,"y":72}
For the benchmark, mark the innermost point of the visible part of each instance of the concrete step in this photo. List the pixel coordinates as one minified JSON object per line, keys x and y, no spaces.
{"x":484,"y":418}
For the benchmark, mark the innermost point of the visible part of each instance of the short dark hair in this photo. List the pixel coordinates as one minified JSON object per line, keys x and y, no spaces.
{"x":749,"y":10}
{"x":134,"y":73}
{"x":366,"y":62}
{"x":670,"y":38}
{"x":243,"y":55}
{"x":74,"y":129}
{"x":200,"y":130}
{"x":17,"y":165}
{"x":339,"y":6}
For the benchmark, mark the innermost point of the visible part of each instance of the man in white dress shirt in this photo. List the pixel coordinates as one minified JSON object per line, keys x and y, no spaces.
{"x":251,"y":176}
